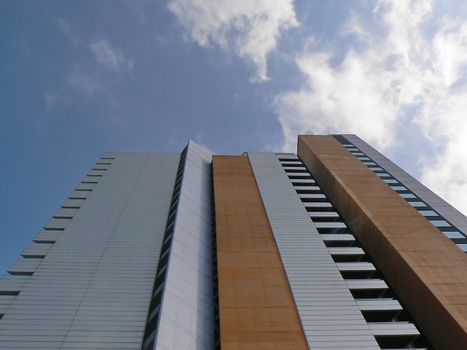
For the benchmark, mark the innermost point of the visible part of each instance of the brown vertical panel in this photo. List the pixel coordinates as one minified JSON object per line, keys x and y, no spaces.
{"x":427,"y":270}
{"x":256,"y":307}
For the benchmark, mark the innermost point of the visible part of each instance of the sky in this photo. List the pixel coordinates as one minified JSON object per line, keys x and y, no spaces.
{"x":78,"y":78}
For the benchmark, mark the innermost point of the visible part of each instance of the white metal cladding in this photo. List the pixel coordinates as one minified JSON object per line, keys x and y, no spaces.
{"x":328,"y":313}
{"x":36,"y":249}
{"x":186,"y":320}
{"x":442,"y":207}
{"x":92,"y":289}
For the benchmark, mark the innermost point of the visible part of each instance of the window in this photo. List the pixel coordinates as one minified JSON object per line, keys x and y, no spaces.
{"x":417,"y":204}
{"x":383,"y":175}
{"x":390,"y":181}
{"x":399,"y":188}
{"x":407,"y":195}
{"x":440,"y":223}
{"x":428,"y":212}
{"x":454,"y":235}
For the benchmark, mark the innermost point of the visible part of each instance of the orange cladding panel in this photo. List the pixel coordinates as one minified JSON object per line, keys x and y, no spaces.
{"x":256,"y":307}
{"x":426,"y":270}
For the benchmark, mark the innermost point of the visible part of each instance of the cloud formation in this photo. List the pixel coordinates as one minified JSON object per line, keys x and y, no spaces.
{"x":69,"y":31}
{"x":404,"y":67}
{"x":108,"y":56}
{"x":97,"y":79}
{"x":84,"y":80}
{"x":49,"y":99}
{"x":250,"y":29}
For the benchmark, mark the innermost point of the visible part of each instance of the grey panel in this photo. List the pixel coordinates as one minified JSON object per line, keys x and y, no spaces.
{"x":346,"y":251}
{"x":338,"y":237}
{"x":90,"y":179}
{"x":85,"y":186}
{"x":393,"y":328}
{"x":441,"y":206}
{"x":107,"y":155}
{"x":385,"y":304}
{"x":65,"y":213}
{"x":100,"y":167}
{"x":79,"y":194}
{"x":308,"y":188}
{"x":12,"y":284}
{"x":303,"y":181}
{"x":5,"y":302}
{"x":24,"y":266}
{"x":57,"y":224}
{"x":73,"y":203}
{"x":291,"y":167}
{"x":96,"y":173}
{"x":186,"y":320}
{"x":312,"y":196}
{"x":355,"y":266}
{"x":92,"y":289}
{"x":330,"y":225}
{"x":299,"y":174}
{"x":323,"y":214}
{"x":287,"y":156}
{"x":36,"y":249}
{"x":329,"y":315}
{"x":47,"y":236}
{"x":370,"y":283}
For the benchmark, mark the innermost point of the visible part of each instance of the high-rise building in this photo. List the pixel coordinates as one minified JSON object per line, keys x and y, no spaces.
{"x":332,"y":248}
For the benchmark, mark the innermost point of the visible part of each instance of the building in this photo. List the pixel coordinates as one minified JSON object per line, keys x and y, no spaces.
{"x":333,"y":248}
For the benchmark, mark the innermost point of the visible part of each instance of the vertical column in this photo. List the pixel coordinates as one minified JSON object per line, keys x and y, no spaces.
{"x":256,"y":307}
{"x":426,"y":270}
{"x":330,"y":317}
{"x":186,"y":315}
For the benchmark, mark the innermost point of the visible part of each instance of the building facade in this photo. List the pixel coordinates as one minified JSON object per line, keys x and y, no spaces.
{"x":334,"y":247}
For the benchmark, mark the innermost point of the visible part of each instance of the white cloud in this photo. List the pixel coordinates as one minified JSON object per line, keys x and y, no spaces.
{"x":84,"y":80}
{"x":250,"y":29}
{"x":108,"y":56}
{"x":69,"y":31}
{"x":138,"y":8}
{"x":386,"y":81}
{"x":97,"y":80}
{"x":50,"y":99}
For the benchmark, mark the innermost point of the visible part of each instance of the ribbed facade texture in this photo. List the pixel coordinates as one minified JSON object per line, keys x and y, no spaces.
{"x":332,"y":248}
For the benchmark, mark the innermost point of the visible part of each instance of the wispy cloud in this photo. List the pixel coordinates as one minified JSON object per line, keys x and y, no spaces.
{"x":69,"y":31}
{"x":250,"y":29}
{"x":50,"y":99}
{"x":138,"y":8}
{"x":384,"y":82}
{"x":85,"y":80}
{"x":108,"y":56}
{"x":97,"y":79}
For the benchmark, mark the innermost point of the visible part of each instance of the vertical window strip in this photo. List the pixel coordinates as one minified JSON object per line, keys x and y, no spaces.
{"x":371,"y":317}
{"x":152,"y":321}
{"x":407,"y":194}
{"x":215,"y":286}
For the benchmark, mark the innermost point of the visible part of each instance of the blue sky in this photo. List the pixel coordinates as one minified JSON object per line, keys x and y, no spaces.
{"x":78,"y":78}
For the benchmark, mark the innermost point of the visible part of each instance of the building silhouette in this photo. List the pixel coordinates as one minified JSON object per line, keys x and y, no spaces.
{"x":334,"y":247}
